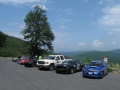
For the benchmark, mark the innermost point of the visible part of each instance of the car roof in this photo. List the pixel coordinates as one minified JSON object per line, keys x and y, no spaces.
{"x":97,"y":61}
{"x":73,"y":60}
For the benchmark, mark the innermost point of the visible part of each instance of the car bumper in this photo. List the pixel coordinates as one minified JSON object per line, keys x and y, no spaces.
{"x":43,"y":66}
{"x":93,"y":74}
{"x":67,"y":70}
{"x":28,"y":64}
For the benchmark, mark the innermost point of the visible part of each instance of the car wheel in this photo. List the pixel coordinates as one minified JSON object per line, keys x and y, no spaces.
{"x":51,"y":68}
{"x":84,"y":76}
{"x":25,"y":65}
{"x":102,"y":74}
{"x":71,"y":70}
{"x":107,"y":72}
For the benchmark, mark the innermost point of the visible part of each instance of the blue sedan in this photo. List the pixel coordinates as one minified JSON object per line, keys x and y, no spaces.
{"x":96,"y":69}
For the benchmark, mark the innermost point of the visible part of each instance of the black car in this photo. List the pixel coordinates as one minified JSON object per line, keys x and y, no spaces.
{"x":31,"y":62}
{"x":69,"y":66}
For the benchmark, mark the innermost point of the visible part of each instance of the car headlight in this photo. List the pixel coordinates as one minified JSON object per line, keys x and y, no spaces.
{"x":85,"y":70}
{"x":47,"y":62}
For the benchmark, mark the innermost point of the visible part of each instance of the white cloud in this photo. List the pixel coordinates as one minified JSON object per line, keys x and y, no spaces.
{"x":19,"y":1}
{"x":97,"y":43}
{"x":100,"y":2}
{"x":62,"y":41}
{"x":111,"y":33}
{"x":68,"y":11}
{"x":27,"y":2}
{"x":86,"y":1}
{"x":16,"y":24}
{"x":82,"y":44}
{"x":63,"y":20}
{"x":114,"y":42}
{"x":62,"y":27}
{"x":61,"y":38}
{"x":42,"y":6}
{"x":111,"y":18}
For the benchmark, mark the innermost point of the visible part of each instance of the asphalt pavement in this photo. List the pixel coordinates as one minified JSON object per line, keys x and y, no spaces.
{"x":14,"y":76}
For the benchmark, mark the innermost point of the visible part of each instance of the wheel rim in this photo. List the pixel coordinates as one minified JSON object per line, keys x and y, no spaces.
{"x":51,"y":68}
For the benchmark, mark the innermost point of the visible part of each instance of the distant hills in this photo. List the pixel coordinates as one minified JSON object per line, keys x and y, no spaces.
{"x":113,"y":55}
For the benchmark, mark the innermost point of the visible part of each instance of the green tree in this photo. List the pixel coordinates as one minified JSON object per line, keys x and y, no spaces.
{"x":2,"y":39}
{"x":38,"y":32}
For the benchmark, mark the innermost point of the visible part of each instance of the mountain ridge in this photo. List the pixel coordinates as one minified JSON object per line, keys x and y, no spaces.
{"x":113,"y":55}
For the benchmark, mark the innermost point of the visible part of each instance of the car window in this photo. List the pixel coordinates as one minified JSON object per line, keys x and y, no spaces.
{"x":50,"y":57}
{"x":95,"y":64}
{"x":77,"y":61}
{"x":69,"y":62}
{"x":62,"y":58}
{"x":57,"y":58}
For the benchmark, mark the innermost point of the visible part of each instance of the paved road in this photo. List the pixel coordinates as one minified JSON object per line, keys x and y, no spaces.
{"x":17,"y":77}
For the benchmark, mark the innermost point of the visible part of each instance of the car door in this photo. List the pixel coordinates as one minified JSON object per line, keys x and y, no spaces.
{"x":59,"y":59}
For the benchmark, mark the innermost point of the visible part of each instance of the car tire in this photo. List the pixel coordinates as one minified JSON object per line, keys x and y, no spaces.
{"x":56,"y":71}
{"x":26,"y":65}
{"x":102,"y":74}
{"x":51,"y":68}
{"x":84,"y":76}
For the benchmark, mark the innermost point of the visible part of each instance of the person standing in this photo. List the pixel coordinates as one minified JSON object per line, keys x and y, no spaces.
{"x":105,"y":58}
{"x":40,"y":57}
{"x":19,"y":57}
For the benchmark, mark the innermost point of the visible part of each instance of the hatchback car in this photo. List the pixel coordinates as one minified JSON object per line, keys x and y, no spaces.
{"x":69,"y":66}
{"x":96,"y":69}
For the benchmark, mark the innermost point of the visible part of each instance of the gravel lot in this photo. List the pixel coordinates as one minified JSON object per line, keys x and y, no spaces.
{"x":17,"y":77}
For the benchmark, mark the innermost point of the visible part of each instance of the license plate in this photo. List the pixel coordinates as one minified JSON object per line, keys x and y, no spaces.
{"x":89,"y":72}
{"x":95,"y":72}
{"x":40,"y":66}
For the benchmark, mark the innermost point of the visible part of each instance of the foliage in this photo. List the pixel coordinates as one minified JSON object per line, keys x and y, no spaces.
{"x":2,"y":39}
{"x":37,"y":32}
{"x":113,"y":67}
{"x":87,"y":60}
{"x":13,"y":47}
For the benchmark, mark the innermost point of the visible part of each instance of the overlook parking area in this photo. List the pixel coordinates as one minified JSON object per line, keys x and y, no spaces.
{"x":18,"y":77}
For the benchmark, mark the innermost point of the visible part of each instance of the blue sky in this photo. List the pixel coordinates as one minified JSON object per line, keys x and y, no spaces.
{"x":78,"y":25}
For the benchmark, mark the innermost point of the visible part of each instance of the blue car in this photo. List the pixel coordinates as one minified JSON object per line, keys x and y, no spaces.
{"x":96,"y":69}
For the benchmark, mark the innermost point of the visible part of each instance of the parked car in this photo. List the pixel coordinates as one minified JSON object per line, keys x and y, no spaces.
{"x":51,"y":61}
{"x":96,"y":69}
{"x":69,"y":66}
{"x":31,"y":62}
{"x":15,"y":59}
{"x":23,"y":60}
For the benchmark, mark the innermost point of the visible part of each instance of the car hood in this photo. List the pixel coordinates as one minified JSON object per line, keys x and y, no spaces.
{"x":93,"y":67}
{"x":65,"y":65}
{"x":46,"y":60}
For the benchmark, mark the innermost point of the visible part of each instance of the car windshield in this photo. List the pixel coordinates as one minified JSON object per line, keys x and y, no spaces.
{"x":95,"y":64}
{"x":50,"y":57}
{"x":68,"y":62}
